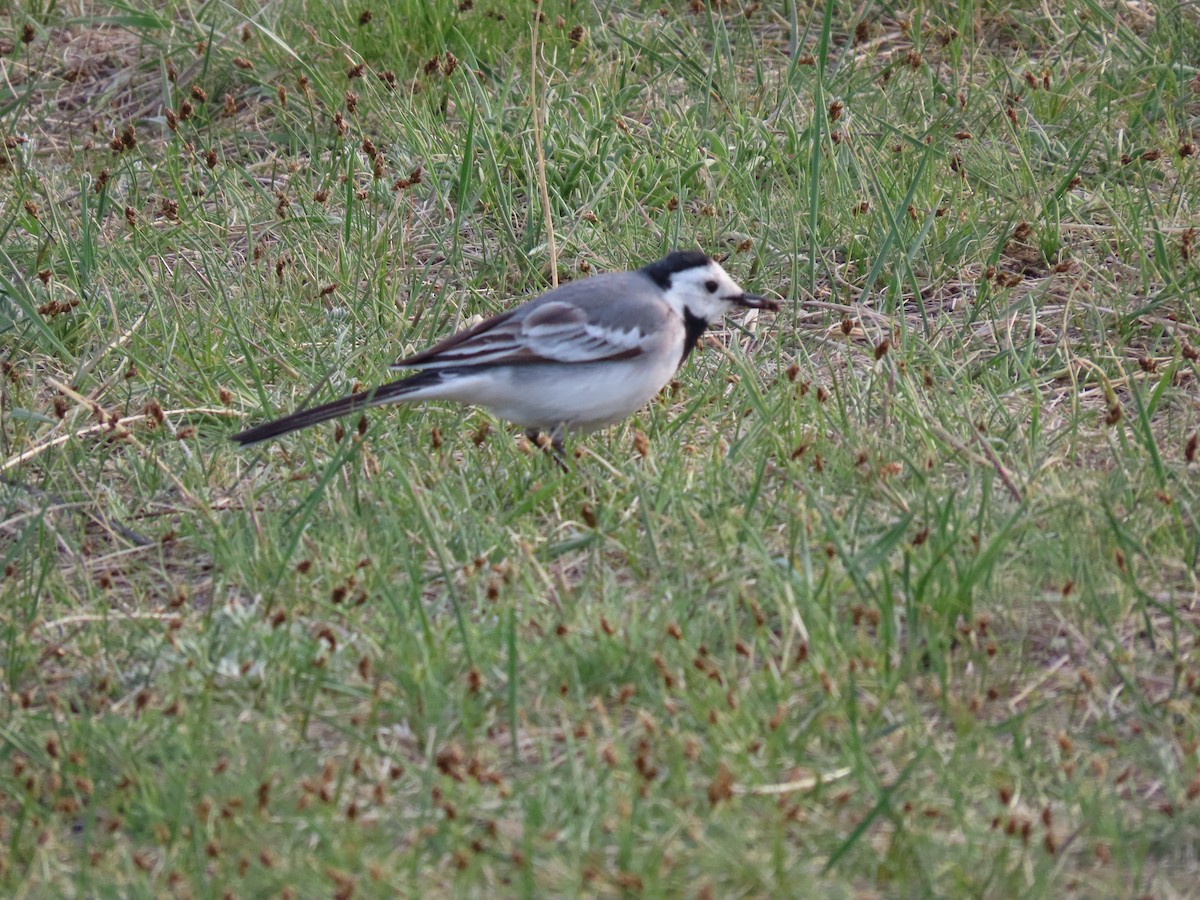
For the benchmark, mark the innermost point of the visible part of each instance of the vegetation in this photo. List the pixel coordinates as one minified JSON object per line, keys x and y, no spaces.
{"x":891,"y":594}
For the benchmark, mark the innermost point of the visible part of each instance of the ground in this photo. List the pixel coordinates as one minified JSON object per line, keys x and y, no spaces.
{"x":893,"y":593}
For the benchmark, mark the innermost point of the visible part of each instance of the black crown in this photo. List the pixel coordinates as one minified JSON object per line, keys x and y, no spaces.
{"x":677,"y":261}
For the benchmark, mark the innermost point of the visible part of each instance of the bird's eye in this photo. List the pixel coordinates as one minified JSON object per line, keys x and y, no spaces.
{"x":711,"y":286}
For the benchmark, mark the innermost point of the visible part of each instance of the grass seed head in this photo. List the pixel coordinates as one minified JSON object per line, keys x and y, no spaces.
{"x":721,"y":786}
{"x":641,"y":443}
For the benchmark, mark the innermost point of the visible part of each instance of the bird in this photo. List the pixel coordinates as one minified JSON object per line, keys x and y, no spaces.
{"x":576,"y":359}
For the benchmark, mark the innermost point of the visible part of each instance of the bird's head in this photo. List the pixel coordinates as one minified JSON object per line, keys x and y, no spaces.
{"x":698,"y":288}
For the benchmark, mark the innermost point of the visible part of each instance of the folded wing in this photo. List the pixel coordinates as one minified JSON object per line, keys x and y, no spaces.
{"x":552,"y":331}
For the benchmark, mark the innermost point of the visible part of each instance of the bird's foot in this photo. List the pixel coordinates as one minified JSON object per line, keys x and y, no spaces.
{"x":551,"y":443}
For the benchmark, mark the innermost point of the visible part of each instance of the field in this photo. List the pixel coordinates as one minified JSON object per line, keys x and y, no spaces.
{"x":891,"y":594}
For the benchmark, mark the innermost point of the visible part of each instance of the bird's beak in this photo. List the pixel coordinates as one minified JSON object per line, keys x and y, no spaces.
{"x":755,"y":301}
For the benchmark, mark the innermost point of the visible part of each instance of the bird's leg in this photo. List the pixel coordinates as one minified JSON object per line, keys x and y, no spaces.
{"x":560,"y":450}
{"x":551,"y":443}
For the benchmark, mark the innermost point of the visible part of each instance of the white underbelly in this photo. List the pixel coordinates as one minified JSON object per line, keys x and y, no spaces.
{"x":584,"y":396}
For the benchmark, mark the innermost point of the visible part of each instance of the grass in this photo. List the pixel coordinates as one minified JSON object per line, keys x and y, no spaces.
{"x":891,"y":594}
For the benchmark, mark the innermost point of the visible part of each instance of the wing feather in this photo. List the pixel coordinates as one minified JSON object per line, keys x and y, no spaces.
{"x":551,"y":331}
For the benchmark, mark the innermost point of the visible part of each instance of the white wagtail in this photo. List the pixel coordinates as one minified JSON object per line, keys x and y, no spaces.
{"x":578,"y":358}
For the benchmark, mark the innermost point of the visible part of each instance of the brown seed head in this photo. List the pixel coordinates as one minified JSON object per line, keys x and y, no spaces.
{"x":721,"y":787}
{"x":588,"y":514}
{"x":641,"y":443}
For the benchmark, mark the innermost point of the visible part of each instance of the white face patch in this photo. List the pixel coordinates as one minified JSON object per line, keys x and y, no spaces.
{"x":707,"y":292}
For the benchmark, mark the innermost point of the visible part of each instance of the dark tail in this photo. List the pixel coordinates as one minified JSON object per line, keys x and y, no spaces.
{"x":388,"y":393}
